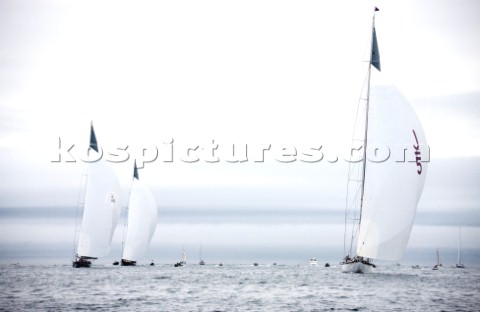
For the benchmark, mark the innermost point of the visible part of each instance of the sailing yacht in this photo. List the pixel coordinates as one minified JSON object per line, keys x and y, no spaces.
{"x":459,"y":264}
{"x":382,"y":196}
{"x":102,"y":206}
{"x":201,"y":262}
{"x":142,"y":221}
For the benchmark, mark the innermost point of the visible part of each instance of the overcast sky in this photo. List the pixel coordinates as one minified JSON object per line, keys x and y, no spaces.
{"x":253,"y":72}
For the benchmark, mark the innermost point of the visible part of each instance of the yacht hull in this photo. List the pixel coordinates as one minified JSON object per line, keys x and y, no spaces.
{"x":126,"y":262}
{"x":357,"y":267}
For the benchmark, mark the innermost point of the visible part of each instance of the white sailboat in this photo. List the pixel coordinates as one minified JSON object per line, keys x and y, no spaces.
{"x":183,"y":261}
{"x":102,"y":206}
{"x":142,"y":221}
{"x":459,"y":264}
{"x":384,"y":195}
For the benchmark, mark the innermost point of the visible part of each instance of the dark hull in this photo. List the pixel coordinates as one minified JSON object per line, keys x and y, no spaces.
{"x":83,"y":261}
{"x":82,"y":264}
{"x":128,"y":262}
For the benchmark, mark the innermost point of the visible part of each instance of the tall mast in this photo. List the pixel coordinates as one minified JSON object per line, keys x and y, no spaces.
{"x":459,"y":248}
{"x":373,"y":50}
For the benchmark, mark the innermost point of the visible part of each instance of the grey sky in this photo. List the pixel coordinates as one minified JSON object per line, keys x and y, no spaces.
{"x":260,"y":72}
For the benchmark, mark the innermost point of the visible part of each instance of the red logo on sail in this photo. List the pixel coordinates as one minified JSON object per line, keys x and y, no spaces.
{"x":418,"y":155}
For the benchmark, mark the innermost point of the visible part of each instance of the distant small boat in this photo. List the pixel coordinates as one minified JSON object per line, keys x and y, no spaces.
{"x":459,"y":264}
{"x":152,"y":263}
{"x":327,"y":265}
{"x":220,"y":264}
{"x":415,"y":266}
{"x":178,"y":264}
{"x":313,"y":262}
{"x":255,"y":264}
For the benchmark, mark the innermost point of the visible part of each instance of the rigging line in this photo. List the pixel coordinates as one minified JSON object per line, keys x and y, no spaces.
{"x":356,"y":226}
{"x":366,"y":82}
{"x":351,"y":165}
{"x":367,"y":105}
{"x":352,"y":220}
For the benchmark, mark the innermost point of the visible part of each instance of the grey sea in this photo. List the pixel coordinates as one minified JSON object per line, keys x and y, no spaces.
{"x":236,"y":288}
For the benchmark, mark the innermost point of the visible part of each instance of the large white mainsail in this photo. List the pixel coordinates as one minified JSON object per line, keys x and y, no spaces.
{"x":392,"y":175}
{"x":392,"y":187}
{"x":101,"y":210}
{"x":142,"y":221}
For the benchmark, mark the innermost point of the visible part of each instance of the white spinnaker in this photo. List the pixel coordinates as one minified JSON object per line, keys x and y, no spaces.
{"x":392,"y":187}
{"x":142,"y":221}
{"x":101,"y":211}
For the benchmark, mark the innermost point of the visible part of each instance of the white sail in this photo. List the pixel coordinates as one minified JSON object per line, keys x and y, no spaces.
{"x":459,"y":255}
{"x":393,"y":187}
{"x":142,"y":220}
{"x":101,"y":211}
{"x":184,"y":256}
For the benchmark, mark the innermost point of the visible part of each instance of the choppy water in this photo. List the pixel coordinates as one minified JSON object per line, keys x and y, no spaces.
{"x":236,"y":288}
